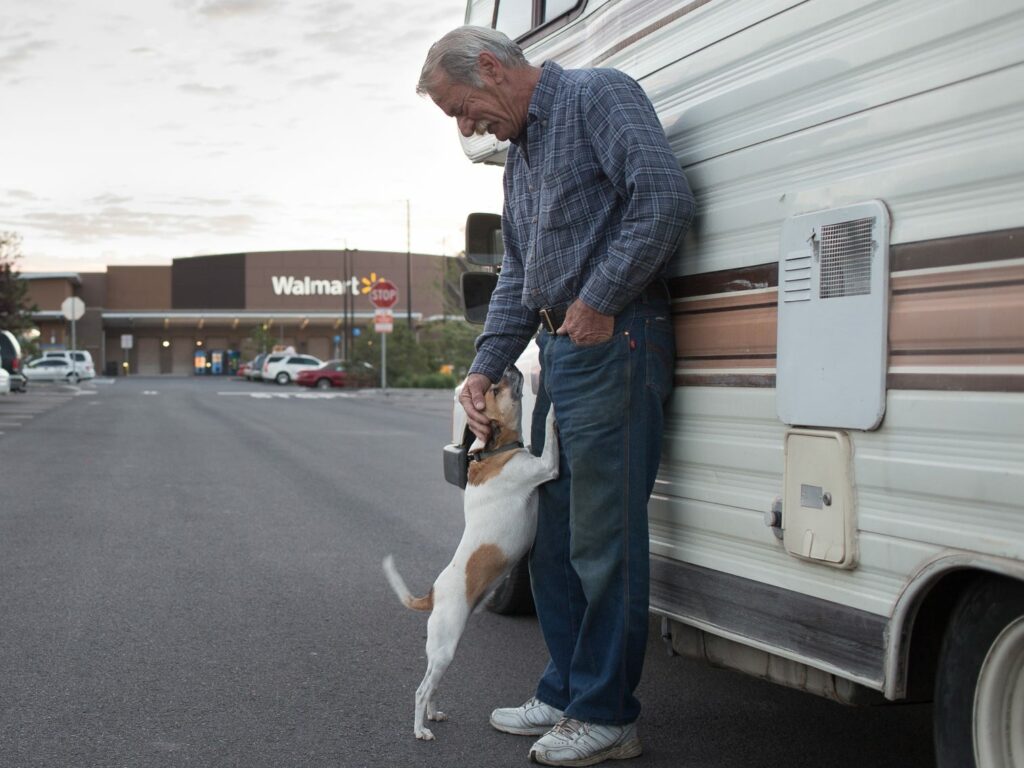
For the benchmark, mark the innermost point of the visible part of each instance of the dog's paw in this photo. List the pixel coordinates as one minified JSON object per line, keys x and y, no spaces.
{"x":437,"y":716}
{"x":424,"y":734}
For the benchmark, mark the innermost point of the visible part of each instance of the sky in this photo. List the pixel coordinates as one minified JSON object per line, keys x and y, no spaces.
{"x":138,"y":131}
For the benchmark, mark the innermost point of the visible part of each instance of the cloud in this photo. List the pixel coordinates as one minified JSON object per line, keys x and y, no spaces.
{"x":201,"y":202}
{"x":19,"y":53}
{"x":315,"y":81}
{"x":198,"y":89}
{"x":109,"y":198}
{"x":23,"y":195}
{"x":117,"y":222}
{"x":257,"y":56}
{"x":228,"y":8}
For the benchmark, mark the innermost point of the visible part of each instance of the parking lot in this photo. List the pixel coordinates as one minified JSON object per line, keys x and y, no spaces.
{"x":18,"y":408}
{"x":191,"y":571}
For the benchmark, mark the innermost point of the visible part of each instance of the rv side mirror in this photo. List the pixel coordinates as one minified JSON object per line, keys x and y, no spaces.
{"x":484,"y":247}
{"x":477,"y":288}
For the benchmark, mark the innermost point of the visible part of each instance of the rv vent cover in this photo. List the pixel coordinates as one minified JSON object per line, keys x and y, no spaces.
{"x":846,"y":249}
{"x":833,"y":317}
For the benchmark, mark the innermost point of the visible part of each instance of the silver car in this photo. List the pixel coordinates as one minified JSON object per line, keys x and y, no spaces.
{"x":52,"y":369}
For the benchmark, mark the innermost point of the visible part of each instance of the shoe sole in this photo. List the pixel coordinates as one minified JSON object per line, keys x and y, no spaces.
{"x":617,"y":752}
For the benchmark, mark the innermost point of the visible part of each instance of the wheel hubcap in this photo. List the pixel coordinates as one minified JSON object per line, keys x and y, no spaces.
{"x":999,"y":702}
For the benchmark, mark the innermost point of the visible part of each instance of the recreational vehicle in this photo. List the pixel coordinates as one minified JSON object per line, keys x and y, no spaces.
{"x":840,"y":505}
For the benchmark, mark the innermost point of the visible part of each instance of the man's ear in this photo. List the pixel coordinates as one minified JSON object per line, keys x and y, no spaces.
{"x":491,"y":70}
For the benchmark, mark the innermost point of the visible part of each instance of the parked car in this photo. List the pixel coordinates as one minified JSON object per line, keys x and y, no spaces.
{"x":283,"y":367}
{"x":255,"y":370}
{"x":337,"y":373}
{"x":52,"y":369}
{"x":5,"y":382}
{"x":243,"y":370}
{"x":80,"y":359}
{"x":11,"y":361}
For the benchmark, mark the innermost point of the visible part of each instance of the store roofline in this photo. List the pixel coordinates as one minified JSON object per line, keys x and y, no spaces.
{"x":247,"y":315}
{"x":72,"y":276}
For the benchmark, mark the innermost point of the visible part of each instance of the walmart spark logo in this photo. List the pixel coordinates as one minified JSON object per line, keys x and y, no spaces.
{"x":369,"y":282}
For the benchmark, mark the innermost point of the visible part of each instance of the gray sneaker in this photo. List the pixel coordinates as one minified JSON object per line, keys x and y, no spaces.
{"x":573,"y":742}
{"x":532,"y":719}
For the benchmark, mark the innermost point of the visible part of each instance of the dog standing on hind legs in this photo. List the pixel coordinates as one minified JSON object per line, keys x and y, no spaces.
{"x":501,"y":520}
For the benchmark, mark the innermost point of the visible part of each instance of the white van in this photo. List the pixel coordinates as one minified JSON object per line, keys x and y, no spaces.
{"x":79,"y":359}
{"x":839,"y":506}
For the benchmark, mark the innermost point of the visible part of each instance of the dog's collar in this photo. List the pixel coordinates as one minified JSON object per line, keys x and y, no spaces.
{"x":481,"y":455}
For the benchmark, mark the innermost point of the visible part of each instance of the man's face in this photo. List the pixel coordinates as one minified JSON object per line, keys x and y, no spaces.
{"x":476,"y":110}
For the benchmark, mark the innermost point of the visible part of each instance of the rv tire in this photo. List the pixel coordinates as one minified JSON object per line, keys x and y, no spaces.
{"x":979,"y":688}
{"x":513,"y":595}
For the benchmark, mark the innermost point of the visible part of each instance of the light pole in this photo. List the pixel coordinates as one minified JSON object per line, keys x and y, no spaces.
{"x":408,"y":266}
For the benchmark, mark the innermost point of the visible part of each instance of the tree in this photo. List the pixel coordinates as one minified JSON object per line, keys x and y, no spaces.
{"x":451,"y":284}
{"x":260,"y":339}
{"x":436,"y":355}
{"x":15,"y":310}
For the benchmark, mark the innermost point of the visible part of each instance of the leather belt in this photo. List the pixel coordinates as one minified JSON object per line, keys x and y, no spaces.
{"x":551,"y":318}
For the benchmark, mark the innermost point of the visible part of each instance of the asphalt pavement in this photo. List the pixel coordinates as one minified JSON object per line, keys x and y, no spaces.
{"x":190,"y":576}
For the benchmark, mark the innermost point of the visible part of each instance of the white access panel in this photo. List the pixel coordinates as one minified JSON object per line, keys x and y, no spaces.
{"x":833,"y":317}
{"x":818,"y":502}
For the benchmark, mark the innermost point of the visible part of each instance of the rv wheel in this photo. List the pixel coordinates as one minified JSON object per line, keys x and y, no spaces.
{"x":979,"y":690}
{"x":513,"y":595}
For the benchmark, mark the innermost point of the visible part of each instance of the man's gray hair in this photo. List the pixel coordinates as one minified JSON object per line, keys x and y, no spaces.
{"x":457,"y":55}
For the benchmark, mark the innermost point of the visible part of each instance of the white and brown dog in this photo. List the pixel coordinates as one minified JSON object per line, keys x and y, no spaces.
{"x":501,"y":521}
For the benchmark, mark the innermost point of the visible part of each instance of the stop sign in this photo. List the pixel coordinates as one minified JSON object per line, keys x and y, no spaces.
{"x":384,"y":294}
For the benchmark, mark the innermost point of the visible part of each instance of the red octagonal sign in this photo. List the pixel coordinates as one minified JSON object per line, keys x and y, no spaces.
{"x":383,"y":294}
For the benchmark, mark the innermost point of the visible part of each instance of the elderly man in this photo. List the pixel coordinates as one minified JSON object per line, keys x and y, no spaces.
{"x":595,"y":206}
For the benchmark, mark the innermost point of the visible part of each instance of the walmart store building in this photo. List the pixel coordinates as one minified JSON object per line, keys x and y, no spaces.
{"x":178,"y":319}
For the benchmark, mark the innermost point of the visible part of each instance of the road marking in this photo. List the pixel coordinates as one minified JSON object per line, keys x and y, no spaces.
{"x":290,"y":395}
{"x":150,"y":392}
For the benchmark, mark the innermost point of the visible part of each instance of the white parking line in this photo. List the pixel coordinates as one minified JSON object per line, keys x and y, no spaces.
{"x":290,"y":395}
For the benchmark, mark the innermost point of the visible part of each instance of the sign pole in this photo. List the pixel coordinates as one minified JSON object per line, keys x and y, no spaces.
{"x":73,"y":308}
{"x":383,"y":296}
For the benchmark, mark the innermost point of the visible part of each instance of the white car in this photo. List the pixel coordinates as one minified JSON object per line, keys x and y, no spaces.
{"x":54,"y":369}
{"x":81,"y":359}
{"x":283,"y":367}
{"x":5,"y":382}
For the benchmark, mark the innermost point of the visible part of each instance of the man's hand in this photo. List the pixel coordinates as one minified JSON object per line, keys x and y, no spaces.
{"x":585,"y":326}
{"x":472,"y":399}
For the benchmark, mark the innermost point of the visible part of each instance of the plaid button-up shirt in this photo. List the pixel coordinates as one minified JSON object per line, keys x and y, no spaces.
{"x":595,"y":206}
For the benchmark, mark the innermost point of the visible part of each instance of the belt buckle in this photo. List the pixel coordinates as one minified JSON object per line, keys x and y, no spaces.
{"x":548,"y":321}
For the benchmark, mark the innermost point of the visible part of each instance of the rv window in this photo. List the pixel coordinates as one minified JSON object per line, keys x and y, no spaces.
{"x":555,"y":8}
{"x":518,"y":18}
{"x":515,"y":18}
{"x":480,"y":13}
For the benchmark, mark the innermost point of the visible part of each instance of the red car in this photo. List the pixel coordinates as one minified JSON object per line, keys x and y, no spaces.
{"x":337,"y":373}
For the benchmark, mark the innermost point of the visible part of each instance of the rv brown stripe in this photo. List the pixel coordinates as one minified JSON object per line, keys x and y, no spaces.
{"x":954,"y":251}
{"x":725,"y":281}
{"x":946,"y":252}
{"x":958,"y":320}
{"x":955,"y":382}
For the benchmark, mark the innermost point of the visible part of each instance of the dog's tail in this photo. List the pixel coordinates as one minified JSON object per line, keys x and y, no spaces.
{"x":425,"y":603}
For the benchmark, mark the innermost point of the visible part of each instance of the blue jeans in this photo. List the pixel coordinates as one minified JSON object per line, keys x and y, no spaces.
{"x":590,"y":562}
